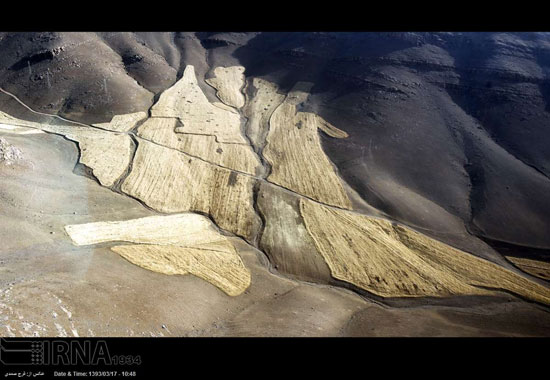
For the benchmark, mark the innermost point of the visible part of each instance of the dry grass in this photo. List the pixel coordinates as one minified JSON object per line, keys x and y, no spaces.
{"x":12,"y":121}
{"x":233,"y":156}
{"x":330,"y":129}
{"x":186,"y":101}
{"x":295,"y":153}
{"x":123,"y":123}
{"x":259,"y":108}
{"x":170,"y":181}
{"x":173,"y":244}
{"x":223,"y":269}
{"x":394,"y":261}
{"x":18,"y":130}
{"x":177,"y":229}
{"x":228,"y":81}
{"x":225,"y":107}
{"x":106,"y":153}
{"x":536,"y":268}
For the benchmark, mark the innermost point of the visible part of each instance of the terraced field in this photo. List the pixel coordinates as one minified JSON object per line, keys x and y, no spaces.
{"x":107,"y":154}
{"x":175,"y":245}
{"x":253,"y":169}
{"x":186,"y":101}
{"x":123,"y":123}
{"x":394,"y":261}
{"x":264,"y":98}
{"x":238,"y":157}
{"x":294,"y":151}
{"x":229,"y":82}
{"x":171,"y":181}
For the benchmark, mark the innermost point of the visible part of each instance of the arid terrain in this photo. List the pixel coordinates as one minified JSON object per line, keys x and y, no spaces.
{"x":274,"y":184}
